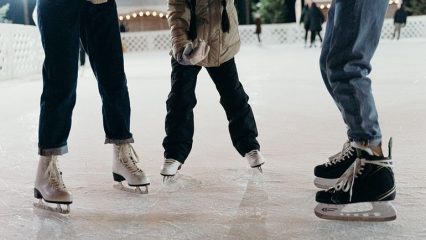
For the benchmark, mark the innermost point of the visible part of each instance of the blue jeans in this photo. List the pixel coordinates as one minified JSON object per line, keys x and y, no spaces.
{"x":63,"y":24}
{"x":351,"y":38}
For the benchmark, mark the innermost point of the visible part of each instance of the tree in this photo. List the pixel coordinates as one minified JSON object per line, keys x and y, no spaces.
{"x":3,"y":12}
{"x":276,"y":11}
{"x":416,"y":7}
{"x":271,"y":11}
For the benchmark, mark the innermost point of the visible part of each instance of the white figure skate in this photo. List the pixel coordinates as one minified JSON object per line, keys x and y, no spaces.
{"x":125,"y":168}
{"x":50,"y":187}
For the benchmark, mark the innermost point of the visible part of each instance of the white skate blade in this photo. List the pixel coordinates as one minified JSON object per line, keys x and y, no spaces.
{"x":58,"y":208}
{"x":137,"y":190}
{"x":324,"y":183}
{"x":375,"y":212}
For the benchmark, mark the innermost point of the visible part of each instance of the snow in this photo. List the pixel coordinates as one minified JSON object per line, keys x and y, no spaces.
{"x":216,"y":196}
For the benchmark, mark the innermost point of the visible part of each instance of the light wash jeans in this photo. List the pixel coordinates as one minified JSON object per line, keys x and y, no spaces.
{"x":351,"y":38}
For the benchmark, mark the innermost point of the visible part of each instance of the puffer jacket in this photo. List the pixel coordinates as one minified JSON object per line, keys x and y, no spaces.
{"x":223,"y":45}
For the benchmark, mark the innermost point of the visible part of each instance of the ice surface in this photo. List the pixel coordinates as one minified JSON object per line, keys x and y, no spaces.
{"x":216,"y":196}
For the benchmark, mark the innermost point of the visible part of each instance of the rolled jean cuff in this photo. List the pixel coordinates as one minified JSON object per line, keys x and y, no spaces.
{"x":119,"y":141}
{"x":367,"y":142}
{"x":53,"y":151}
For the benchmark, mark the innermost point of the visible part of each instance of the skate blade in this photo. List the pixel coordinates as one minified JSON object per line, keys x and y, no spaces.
{"x":324,"y":183}
{"x":169,"y":179}
{"x":378,"y":212}
{"x":137,"y":189}
{"x":58,"y":208}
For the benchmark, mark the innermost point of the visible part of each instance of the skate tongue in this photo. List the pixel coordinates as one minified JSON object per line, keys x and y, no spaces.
{"x":372,"y":150}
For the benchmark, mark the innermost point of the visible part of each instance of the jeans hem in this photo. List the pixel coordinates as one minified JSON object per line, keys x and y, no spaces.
{"x":119,"y":141}
{"x":372,"y":141}
{"x":53,"y":151}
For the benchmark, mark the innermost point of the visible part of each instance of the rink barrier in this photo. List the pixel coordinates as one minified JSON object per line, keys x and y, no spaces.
{"x":271,"y":34}
{"x":21,"y":53}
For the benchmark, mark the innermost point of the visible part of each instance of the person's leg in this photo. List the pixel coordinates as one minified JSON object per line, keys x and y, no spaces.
{"x":181,"y":101}
{"x":356,"y":33}
{"x":319,"y":36}
{"x":100,"y":36}
{"x":398,"y":29}
{"x":242,"y":125}
{"x":313,"y":36}
{"x":59,"y":24}
{"x":306,"y":36}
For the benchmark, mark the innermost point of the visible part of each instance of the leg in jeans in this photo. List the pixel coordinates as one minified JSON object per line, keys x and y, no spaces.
{"x":242,"y":125}
{"x":100,"y":36}
{"x":349,"y":47}
{"x":180,"y":117}
{"x":59,"y":23}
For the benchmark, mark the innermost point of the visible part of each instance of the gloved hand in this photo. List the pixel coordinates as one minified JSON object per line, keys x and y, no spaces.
{"x":193,"y":53}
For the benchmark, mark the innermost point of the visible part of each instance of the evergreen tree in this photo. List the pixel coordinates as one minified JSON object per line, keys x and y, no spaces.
{"x":416,"y":7}
{"x":3,"y":12}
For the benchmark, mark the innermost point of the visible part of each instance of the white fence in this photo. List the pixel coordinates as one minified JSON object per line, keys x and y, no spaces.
{"x":21,"y":53}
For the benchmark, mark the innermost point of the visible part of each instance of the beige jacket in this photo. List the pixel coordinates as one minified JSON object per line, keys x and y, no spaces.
{"x":223,"y":46}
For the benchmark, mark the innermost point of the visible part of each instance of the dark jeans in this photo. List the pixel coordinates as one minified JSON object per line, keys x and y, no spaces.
{"x":352,"y":35}
{"x":181,"y":102}
{"x":63,"y":23}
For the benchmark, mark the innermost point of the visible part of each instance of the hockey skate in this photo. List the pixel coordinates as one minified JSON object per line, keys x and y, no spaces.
{"x":169,"y":169}
{"x":50,"y":188}
{"x":368,"y":181}
{"x":255,"y":159}
{"x":125,"y":168}
{"x":327,"y":174}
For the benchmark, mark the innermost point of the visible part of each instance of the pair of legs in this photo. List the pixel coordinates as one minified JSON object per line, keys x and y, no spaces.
{"x":63,"y":24}
{"x":397,"y":30}
{"x":182,"y":100}
{"x":360,"y":173}
{"x":314,"y":35}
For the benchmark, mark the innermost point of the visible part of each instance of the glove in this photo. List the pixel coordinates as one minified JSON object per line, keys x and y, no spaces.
{"x":193,"y":53}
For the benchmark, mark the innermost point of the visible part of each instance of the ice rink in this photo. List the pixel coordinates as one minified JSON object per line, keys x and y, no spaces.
{"x":216,"y":195}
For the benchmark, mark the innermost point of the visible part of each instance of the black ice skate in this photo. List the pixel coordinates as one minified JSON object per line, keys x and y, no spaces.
{"x":369,"y":181}
{"x":327,"y":174}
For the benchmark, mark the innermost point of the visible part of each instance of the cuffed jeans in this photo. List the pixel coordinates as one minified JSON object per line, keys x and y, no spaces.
{"x":63,"y":24}
{"x":181,"y":102}
{"x":352,"y":35}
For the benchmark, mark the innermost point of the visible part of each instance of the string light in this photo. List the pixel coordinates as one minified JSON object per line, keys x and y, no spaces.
{"x":142,"y":14}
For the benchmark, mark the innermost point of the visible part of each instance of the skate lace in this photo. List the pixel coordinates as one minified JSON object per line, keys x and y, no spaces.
{"x":129,"y":158}
{"x":346,"y":152}
{"x":347,"y":180}
{"x":54,"y":175}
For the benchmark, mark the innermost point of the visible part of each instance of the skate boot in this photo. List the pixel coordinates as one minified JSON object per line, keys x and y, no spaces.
{"x":125,"y":168}
{"x":50,"y":187}
{"x":326,"y":174}
{"x":255,"y":159}
{"x":170,"y":168}
{"x":368,"y":181}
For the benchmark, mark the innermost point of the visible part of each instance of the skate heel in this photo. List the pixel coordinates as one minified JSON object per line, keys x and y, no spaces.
{"x":118,"y":177}
{"x":37,"y":194}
